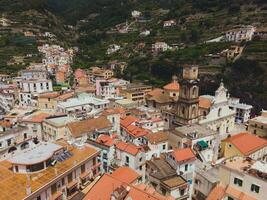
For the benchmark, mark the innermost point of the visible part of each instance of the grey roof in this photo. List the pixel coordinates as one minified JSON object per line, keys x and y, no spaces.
{"x":36,"y":154}
{"x":163,"y":169}
{"x":188,"y":130}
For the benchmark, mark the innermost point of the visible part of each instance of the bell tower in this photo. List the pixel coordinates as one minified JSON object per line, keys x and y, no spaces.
{"x":188,"y":102}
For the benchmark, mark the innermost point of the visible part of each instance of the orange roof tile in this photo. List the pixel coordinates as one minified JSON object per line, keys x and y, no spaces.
{"x":217,"y":193}
{"x":136,"y":131}
{"x":60,"y":76}
{"x":125,"y":174}
{"x":79,"y":73}
{"x":49,"y":95}
{"x":105,"y":140}
{"x":107,"y":184}
{"x":127,"y":147}
{"x":37,"y":118}
{"x":155,"y":138}
{"x":183,"y":155}
{"x":111,"y":111}
{"x":204,"y":102}
{"x":174,"y":86}
{"x":13,"y":185}
{"x":88,"y":126}
{"x":128,"y":120}
{"x":65,"y":96}
{"x":5,"y":123}
{"x":247,"y":143}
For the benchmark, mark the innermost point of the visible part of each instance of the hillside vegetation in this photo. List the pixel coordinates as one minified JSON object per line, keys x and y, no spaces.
{"x":90,"y":25}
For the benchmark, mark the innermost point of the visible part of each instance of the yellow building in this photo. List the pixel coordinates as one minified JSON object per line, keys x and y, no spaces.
{"x":50,"y":100}
{"x":136,"y":92}
{"x":258,"y":125}
{"x":55,"y":127}
{"x":244,"y":144}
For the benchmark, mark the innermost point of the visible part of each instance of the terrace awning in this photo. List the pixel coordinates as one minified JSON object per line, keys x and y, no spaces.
{"x":203,"y":144}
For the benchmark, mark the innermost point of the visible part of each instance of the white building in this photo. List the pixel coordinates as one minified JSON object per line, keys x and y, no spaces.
{"x":243,"y":33}
{"x":34,"y":73}
{"x":29,"y":89}
{"x":157,"y":143}
{"x":242,"y":110}
{"x":113,"y":48}
{"x":183,"y":161}
{"x":169,"y":23}
{"x":83,"y":102}
{"x":241,"y":178}
{"x":220,"y":117}
{"x":130,"y":155}
{"x":160,"y":47}
{"x":136,"y":13}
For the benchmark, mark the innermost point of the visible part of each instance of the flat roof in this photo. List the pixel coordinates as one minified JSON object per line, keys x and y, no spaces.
{"x":174,"y":181}
{"x":13,"y":185}
{"x":261,"y":119}
{"x":37,"y":154}
{"x":83,"y":100}
{"x":188,"y":130}
{"x":59,"y":121}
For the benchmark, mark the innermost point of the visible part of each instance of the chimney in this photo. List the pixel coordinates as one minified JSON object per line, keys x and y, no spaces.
{"x":120,"y":193}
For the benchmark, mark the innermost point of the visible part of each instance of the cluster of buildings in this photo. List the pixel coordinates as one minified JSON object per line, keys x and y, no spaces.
{"x":242,"y":33}
{"x":107,"y":138}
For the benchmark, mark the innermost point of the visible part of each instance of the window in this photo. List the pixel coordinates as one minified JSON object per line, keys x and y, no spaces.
{"x":219,"y":112}
{"x":16,"y":168}
{"x":182,"y":192}
{"x":164,"y":146}
{"x":255,"y":188}
{"x":127,"y":159}
{"x":38,"y":198}
{"x":186,"y":167}
{"x":238,"y":182}
{"x":230,"y":198}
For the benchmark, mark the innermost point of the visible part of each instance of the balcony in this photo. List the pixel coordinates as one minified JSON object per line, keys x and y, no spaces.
{"x":95,"y":166}
{"x":57,"y":196}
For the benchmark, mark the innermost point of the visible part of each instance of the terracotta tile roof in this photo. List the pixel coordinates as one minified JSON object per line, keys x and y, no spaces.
{"x":155,"y":138}
{"x":5,"y":123}
{"x":60,"y":76}
{"x":183,"y":155}
{"x":136,"y":131}
{"x":174,"y":86}
{"x":65,"y":96}
{"x":85,"y":88}
{"x":49,"y":95}
{"x":39,"y":118}
{"x":217,"y":193}
{"x":220,"y":192}
{"x":88,"y":126}
{"x":204,"y":102}
{"x":247,"y":143}
{"x":13,"y":185}
{"x":79,"y":73}
{"x":111,"y":111}
{"x":107,"y":185}
{"x":105,"y":140}
{"x":128,"y":148}
{"x":155,"y":91}
{"x":125,"y":174}
{"x":159,"y":96}
{"x":128,"y":120}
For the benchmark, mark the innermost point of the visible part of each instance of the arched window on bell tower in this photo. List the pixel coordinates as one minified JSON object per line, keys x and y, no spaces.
{"x":194,"y":93}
